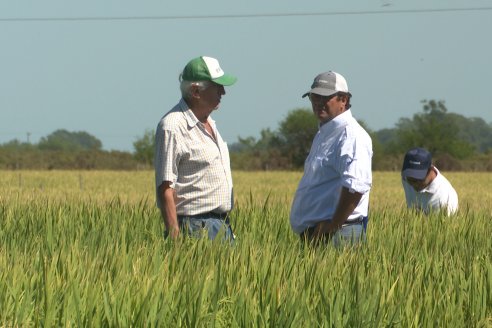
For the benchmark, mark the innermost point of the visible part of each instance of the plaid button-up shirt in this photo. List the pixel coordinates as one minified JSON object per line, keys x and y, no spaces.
{"x":196,"y":164}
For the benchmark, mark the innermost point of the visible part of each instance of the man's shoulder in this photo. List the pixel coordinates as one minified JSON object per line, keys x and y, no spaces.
{"x":173,"y":119}
{"x":354,"y":130}
{"x":441,"y":181}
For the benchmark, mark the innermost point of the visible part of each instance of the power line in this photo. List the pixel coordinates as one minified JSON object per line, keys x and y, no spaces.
{"x":226,"y":16}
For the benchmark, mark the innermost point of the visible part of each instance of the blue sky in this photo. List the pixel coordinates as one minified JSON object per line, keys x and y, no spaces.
{"x":115,"y":76}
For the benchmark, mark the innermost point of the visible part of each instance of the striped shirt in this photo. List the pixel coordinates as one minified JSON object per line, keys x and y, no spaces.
{"x":196,"y":165}
{"x":340,"y":156}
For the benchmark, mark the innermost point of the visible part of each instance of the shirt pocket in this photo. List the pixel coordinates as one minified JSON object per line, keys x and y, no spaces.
{"x":199,"y":155}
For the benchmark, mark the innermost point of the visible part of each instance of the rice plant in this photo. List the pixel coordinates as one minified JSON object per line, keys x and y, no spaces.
{"x":86,"y":249}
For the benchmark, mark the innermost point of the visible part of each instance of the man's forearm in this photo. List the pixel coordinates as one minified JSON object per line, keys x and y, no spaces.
{"x":346,"y":205}
{"x":168,"y":209}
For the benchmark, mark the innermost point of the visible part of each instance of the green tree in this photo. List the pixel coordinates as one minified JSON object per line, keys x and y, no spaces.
{"x":69,"y":141}
{"x":16,"y":145}
{"x":296,"y":133}
{"x":475,"y":131}
{"x":261,"y":154}
{"x":435,"y":130}
{"x":144,"y":148}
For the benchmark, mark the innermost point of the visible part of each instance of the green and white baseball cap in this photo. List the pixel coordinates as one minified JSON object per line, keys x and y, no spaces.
{"x":205,"y":68}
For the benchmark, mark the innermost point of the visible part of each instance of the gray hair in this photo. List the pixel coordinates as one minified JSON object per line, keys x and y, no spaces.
{"x":185,"y":86}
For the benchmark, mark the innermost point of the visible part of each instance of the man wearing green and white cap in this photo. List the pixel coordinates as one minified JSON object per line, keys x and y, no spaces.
{"x":192,"y":168}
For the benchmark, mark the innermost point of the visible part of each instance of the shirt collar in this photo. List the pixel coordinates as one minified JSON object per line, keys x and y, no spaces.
{"x":339,"y":121}
{"x":434,"y":185}
{"x":189,"y":115}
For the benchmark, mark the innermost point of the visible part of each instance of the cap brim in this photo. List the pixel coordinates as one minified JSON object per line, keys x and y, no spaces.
{"x":416,"y":174}
{"x":320,"y":91}
{"x":225,"y":80}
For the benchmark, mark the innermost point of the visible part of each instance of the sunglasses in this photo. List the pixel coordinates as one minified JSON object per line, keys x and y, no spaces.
{"x":318,"y":100}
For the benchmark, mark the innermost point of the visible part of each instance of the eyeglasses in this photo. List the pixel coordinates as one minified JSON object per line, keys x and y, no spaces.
{"x":320,"y":100}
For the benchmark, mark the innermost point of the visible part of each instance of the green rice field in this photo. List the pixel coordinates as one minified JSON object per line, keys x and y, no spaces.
{"x":85,"y":249}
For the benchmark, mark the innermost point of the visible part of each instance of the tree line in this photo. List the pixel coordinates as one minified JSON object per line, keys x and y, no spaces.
{"x":64,"y":150}
{"x":457,"y":143}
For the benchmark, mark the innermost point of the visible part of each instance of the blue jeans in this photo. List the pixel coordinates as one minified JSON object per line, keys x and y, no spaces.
{"x":349,"y":235}
{"x":206,"y":224}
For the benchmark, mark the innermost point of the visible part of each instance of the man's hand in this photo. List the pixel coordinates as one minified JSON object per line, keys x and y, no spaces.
{"x":346,"y":205}
{"x":324,"y":229}
{"x":172,"y":232}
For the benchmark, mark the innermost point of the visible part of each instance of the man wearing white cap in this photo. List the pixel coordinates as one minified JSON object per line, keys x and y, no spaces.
{"x":192,"y":168}
{"x":426,"y":189}
{"x":332,"y":200}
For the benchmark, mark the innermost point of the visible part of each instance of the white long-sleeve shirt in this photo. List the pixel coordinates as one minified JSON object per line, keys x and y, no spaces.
{"x":439,"y":194}
{"x":340,"y":156}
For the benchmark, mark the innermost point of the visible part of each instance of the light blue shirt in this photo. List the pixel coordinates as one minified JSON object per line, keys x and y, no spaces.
{"x":340,"y":156}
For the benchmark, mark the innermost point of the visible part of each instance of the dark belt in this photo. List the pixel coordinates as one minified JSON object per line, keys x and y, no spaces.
{"x":359,"y":220}
{"x":220,"y":216}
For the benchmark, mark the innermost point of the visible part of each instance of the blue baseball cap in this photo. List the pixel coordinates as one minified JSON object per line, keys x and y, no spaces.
{"x":416,"y":163}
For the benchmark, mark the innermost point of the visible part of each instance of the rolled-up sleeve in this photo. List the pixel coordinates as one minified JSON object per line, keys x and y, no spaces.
{"x":356,"y":162}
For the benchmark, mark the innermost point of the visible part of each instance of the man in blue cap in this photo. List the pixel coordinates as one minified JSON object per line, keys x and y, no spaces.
{"x":426,"y":189}
{"x":192,"y":168}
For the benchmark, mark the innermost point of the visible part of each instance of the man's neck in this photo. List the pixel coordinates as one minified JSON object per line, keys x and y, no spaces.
{"x":200,"y":113}
{"x":430,"y":176}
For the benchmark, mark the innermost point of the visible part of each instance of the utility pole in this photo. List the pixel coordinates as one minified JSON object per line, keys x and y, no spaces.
{"x":28,"y":135}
